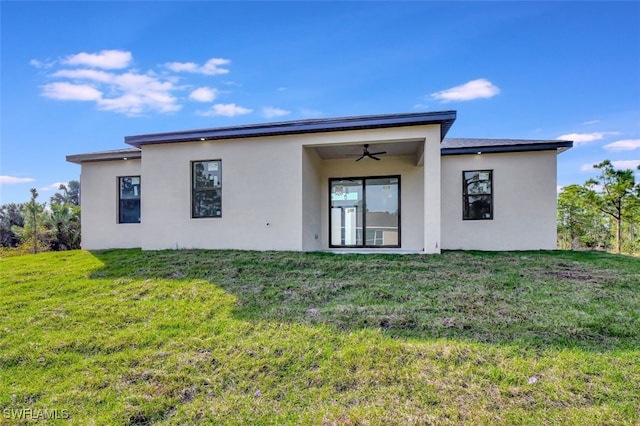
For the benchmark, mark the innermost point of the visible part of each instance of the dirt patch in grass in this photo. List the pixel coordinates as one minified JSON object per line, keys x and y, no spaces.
{"x":575,"y":273}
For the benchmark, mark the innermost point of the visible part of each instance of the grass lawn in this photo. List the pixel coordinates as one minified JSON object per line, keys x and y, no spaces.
{"x":233,"y":337}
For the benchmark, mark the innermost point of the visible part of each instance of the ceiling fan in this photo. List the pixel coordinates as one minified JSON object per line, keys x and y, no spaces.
{"x":366,"y":153}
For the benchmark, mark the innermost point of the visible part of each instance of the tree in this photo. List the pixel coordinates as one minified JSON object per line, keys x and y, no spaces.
{"x":33,"y":229}
{"x":580,"y":225}
{"x":570,"y":215}
{"x":70,"y":194}
{"x":63,"y":224}
{"x":63,"y":218}
{"x":10,"y":216}
{"x":614,"y":193}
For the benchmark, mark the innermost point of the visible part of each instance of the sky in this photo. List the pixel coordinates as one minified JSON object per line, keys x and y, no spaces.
{"x":77,"y":77}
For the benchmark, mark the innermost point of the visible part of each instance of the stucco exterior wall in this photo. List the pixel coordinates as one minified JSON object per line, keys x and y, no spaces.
{"x":261,"y":195}
{"x":99,"y":198}
{"x":311,"y":200}
{"x":275,"y":195}
{"x":274,"y":190}
{"x":524,"y":202}
{"x":432,"y":231}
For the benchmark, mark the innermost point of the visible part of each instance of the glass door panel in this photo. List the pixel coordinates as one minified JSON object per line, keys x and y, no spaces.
{"x":346,"y":212}
{"x":382,"y":212}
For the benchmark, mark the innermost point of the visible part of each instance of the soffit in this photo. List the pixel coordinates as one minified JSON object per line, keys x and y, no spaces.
{"x":336,"y":152}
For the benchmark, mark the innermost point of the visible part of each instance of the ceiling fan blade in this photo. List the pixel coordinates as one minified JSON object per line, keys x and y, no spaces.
{"x":378,"y":153}
{"x":375,"y":158}
{"x":361,"y":157}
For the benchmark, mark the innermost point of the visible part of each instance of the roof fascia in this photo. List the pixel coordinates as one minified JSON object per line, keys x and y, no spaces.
{"x":98,"y":156}
{"x":560,"y":146}
{"x":444,"y":118}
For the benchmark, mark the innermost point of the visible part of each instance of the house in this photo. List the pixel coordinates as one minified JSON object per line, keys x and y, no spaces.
{"x":309,"y":185}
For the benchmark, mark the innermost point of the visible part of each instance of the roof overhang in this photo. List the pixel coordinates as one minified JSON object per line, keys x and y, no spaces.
{"x":489,"y":146}
{"x":444,"y":118}
{"x":113,"y":155}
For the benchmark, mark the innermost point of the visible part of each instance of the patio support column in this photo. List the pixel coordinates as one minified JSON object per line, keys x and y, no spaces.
{"x":432,"y":185}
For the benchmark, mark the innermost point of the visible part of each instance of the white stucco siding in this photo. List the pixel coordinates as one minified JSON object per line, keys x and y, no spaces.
{"x":99,"y":186}
{"x":311,"y":200}
{"x":432,"y":231}
{"x":274,"y":191}
{"x":524,"y":202}
{"x":261,"y":195}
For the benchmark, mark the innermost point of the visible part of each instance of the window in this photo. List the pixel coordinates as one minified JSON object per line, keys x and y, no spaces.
{"x":365,"y":212}
{"x":206,"y":189}
{"x":477,"y":195}
{"x":129,"y":199}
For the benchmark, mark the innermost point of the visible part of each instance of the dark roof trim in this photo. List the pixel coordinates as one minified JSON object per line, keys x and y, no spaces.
{"x":559,"y":146}
{"x":116,"y":154}
{"x":444,"y":118}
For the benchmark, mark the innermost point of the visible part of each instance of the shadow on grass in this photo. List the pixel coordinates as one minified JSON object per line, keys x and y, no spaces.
{"x":554,"y":299}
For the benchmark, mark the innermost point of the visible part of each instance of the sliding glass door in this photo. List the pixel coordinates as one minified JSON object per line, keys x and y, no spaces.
{"x":364,"y":212}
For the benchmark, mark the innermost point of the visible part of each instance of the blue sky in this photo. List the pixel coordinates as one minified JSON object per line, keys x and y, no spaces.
{"x":80,"y":76}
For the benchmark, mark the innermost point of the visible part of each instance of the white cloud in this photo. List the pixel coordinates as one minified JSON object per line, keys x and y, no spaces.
{"x":203,"y":94}
{"x":103,"y":78}
{"x":597,"y":187}
{"x":272,"y":112}
{"x":11,"y":180}
{"x":281,"y":89}
{"x":53,"y":187}
{"x":623,"y":145}
{"x":475,"y":89}
{"x":140,"y":93}
{"x":582,"y":138}
{"x":212,"y":67}
{"x":590,"y":122}
{"x":618,"y":165}
{"x":84,"y":74}
{"x":129,"y":93}
{"x":626,"y":164}
{"x":559,"y":188}
{"x":182,"y":66}
{"x":71,"y":92}
{"x":227,"y":110}
{"x":107,"y":59}
{"x":39,"y":64}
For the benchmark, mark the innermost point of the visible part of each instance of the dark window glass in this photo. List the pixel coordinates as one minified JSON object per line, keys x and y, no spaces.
{"x":365,"y":212}
{"x":129,"y":199}
{"x":477,"y":195}
{"x":206,"y":185}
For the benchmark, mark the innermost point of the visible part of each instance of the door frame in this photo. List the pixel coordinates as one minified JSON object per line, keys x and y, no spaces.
{"x":364,"y":211}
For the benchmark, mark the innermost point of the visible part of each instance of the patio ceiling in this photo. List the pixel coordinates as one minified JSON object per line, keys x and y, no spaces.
{"x":406,"y":148}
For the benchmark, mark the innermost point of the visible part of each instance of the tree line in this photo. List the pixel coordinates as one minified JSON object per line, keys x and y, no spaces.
{"x":603,"y":213}
{"x":33,"y":227}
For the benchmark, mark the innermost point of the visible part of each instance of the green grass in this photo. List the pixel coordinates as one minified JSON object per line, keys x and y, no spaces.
{"x":233,"y":337}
